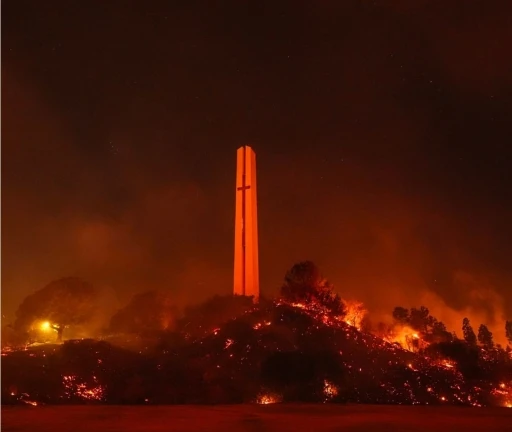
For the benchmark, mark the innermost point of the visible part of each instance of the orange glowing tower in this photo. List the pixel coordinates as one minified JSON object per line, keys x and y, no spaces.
{"x":246,"y":277}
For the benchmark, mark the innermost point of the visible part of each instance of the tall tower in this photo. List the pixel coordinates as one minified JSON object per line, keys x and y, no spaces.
{"x":246,"y":277}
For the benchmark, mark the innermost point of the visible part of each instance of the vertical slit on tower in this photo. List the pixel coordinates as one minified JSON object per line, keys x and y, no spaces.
{"x":243,"y":219}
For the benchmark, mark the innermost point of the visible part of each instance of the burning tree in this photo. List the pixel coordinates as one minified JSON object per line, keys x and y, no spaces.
{"x":355,"y":313}
{"x":423,"y":323}
{"x":60,"y":304}
{"x":485,"y":336}
{"x":303,"y":283}
{"x":468,"y":332}
{"x":146,"y":312}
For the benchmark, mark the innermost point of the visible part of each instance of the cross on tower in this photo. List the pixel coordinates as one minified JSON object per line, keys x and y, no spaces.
{"x":246,"y":278}
{"x":243,"y":188}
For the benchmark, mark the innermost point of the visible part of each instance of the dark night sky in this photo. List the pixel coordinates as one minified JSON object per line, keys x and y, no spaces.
{"x":382,"y":131}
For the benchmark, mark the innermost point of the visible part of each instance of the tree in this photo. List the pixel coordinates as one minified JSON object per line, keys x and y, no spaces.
{"x":468,"y":332}
{"x":438,"y":332}
{"x":62,"y":303}
{"x":420,"y":319}
{"x":401,"y":315}
{"x":303,"y":283}
{"x":485,"y":336}
{"x":146,"y":312}
{"x":508,"y":331}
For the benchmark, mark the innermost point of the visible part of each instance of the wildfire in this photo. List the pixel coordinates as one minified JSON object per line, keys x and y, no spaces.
{"x":330,"y":390}
{"x":406,"y":337}
{"x":74,"y":388}
{"x":446,"y":364}
{"x":260,"y":325}
{"x":355,"y":312}
{"x":402,"y":377}
{"x":266,"y":399}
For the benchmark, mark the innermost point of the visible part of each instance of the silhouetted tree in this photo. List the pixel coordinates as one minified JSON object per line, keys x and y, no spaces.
{"x":465,"y":355}
{"x":485,"y":336}
{"x":420,"y":319}
{"x":62,"y":303}
{"x":468,"y":332}
{"x":508,"y":331}
{"x":146,"y":312}
{"x":303,"y":283}
{"x":401,"y":315}
{"x":438,"y":332}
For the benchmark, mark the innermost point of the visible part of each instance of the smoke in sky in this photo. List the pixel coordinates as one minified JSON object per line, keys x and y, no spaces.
{"x":378,"y":145}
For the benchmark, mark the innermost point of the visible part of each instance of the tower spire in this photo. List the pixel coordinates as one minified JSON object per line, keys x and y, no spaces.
{"x":246,"y":271}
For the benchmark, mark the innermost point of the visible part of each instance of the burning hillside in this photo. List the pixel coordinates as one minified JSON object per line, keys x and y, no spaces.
{"x":307,"y":346}
{"x":281,"y":352}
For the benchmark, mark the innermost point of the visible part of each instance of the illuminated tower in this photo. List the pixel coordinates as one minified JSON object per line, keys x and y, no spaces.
{"x":246,"y":277}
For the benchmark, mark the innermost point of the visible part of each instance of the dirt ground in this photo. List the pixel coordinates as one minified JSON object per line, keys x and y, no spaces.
{"x":254,"y":418}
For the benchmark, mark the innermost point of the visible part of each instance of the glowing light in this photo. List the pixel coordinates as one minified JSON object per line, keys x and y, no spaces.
{"x":45,"y":326}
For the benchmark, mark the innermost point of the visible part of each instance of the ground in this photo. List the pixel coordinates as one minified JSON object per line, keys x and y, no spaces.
{"x":254,"y":418}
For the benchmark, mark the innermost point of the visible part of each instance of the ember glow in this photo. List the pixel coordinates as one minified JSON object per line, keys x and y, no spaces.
{"x":363,"y":367}
{"x":75,"y":388}
{"x":330,"y":390}
{"x":268,"y":398}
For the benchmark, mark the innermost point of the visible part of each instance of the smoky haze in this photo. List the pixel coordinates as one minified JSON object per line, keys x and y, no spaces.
{"x":381,"y":135}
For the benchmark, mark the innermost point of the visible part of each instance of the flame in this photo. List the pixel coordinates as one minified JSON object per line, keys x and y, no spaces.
{"x":355,"y":312}
{"x":406,"y":337}
{"x":266,"y":399}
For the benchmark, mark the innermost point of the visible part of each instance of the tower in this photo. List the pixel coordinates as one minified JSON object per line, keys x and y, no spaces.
{"x":246,"y":273}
